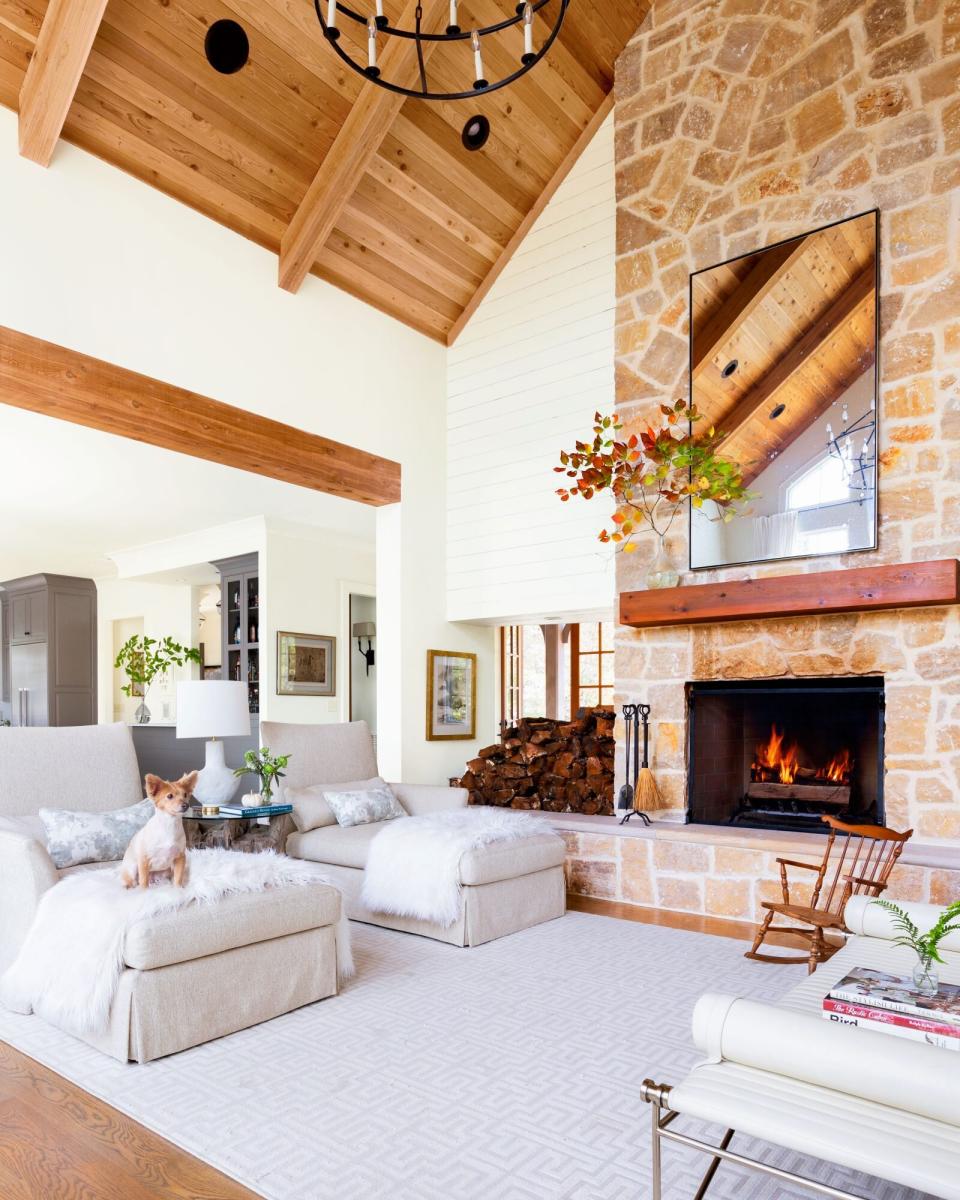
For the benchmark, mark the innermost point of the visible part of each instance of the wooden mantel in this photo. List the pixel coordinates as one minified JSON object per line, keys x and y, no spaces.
{"x":860,"y":589}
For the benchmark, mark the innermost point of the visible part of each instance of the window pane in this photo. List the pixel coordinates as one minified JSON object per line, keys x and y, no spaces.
{"x":606,"y":695}
{"x":589,"y":668}
{"x":589,"y":633}
{"x":606,"y":668}
{"x":606,"y":635}
{"x":534,"y":672}
{"x":589,"y":697}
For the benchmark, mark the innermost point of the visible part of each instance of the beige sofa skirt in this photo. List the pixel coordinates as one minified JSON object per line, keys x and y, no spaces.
{"x":490,"y":910}
{"x":171,"y":1008}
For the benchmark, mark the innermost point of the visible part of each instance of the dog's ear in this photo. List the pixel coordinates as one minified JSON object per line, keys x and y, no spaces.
{"x":189,"y":782}
{"x":154,"y":784}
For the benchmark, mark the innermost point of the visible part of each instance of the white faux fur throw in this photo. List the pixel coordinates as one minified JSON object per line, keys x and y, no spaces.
{"x":413,"y":868}
{"x":69,"y":967}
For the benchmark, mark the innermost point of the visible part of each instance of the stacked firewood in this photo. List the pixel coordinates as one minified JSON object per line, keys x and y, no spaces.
{"x":558,"y":766}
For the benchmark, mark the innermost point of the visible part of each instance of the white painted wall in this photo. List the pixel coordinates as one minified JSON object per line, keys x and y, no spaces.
{"x":100,"y":262}
{"x":523,"y":381}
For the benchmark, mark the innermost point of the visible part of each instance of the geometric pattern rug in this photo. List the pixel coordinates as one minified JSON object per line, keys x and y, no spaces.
{"x":505,"y":1072}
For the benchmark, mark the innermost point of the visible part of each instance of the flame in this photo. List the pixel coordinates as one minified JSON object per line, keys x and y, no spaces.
{"x":772,"y":757}
{"x":838,"y":769}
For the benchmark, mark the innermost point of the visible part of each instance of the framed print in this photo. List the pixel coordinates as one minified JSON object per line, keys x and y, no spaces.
{"x":306,"y":665}
{"x":451,"y":695}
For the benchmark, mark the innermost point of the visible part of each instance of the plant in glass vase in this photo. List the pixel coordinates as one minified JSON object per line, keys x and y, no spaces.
{"x":926,"y":978}
{"x":650,"y":475}
{"x":143,"y":659}
{"x":266,"y":766}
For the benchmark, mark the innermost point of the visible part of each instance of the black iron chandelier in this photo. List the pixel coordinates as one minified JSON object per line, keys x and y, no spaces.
{"x":379,"y":30}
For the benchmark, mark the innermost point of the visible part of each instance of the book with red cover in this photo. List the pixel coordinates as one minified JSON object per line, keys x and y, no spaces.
{"x":882,"y":1016}
{"x":900,"y":1031}
{"x":884,"y":990}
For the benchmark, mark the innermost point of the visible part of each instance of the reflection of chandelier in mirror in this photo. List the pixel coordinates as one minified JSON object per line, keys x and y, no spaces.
{"x":858,"y":465}
{"x":379,"y":32}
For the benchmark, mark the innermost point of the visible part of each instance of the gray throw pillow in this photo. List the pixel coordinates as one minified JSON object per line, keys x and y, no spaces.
{"x":88,"y":837}
{"x":365,"y":808}
{"x":310,"y":807}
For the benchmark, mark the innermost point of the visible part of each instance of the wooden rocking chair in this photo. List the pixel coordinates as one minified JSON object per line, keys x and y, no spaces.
{"x":866,"y":854}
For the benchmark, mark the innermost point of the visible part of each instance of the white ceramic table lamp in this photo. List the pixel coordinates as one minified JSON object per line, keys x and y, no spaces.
{"x":213,"y":708}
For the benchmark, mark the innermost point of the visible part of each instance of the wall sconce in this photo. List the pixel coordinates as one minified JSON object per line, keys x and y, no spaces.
{"x":368,"y":630}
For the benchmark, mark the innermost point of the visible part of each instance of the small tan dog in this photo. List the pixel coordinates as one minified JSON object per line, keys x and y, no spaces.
{"x":160,"y":847}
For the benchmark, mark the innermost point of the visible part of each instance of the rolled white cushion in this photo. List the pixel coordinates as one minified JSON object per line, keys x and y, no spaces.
{"x":863,"y":915}
{"x":911,"y":1076}
{"x":310,"y":807}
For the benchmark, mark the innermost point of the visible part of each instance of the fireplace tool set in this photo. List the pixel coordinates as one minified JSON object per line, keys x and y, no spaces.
{"x":639,"y":791}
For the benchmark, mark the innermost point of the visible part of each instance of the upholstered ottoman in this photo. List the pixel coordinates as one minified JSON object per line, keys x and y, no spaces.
{"x":206,"y":970}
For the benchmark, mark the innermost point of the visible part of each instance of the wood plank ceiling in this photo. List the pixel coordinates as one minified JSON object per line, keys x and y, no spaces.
{"x":799,"y":319}
{"x":422,"y":231}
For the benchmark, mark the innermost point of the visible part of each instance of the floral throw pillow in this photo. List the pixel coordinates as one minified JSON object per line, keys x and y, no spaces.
{"x":366,"y":807}
{"x":88,"y":837}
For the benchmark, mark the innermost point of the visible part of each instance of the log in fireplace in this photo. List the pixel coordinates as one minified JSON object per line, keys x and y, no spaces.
{"x":777,"y":754}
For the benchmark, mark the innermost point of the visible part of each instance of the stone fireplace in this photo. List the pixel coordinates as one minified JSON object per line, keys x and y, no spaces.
{"x":782,"y":753}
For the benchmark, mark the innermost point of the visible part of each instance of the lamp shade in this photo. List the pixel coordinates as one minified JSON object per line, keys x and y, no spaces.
{"x":209,"y":708}
{"x":367,"y":629}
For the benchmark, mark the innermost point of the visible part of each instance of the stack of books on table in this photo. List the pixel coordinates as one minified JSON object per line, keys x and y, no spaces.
{"x":880,"y":1000}
{"x":262,"y":810}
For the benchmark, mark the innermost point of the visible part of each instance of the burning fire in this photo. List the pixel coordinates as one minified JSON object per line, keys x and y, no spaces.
{"x":771,"y":757}
{"x":776,"y":763}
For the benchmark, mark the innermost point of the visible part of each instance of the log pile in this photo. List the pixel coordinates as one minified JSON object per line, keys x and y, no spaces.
{"x":557,"y":766}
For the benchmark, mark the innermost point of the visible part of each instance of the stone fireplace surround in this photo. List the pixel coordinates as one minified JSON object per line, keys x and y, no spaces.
{"x":740,"y":123}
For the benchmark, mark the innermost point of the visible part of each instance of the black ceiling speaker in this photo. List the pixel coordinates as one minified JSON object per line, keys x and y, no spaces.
{"x":226,"y":46}
{"x":729,"y":369}
{"x":777,"y":411}
{"x":475,"y":133}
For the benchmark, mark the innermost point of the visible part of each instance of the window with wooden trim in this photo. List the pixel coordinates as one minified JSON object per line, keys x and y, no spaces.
{"x":525,"y":673}
{"x":591,"y":664}
{"x":511,"y":673}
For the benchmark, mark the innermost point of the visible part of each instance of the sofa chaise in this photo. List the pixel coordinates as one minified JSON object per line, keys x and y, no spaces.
{"x":190,"y":975}
{"x":507,"y":886}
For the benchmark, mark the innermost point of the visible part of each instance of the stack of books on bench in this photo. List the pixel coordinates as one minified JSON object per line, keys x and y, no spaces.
{"x":889,"y":1003}
{"x":263,"y":810}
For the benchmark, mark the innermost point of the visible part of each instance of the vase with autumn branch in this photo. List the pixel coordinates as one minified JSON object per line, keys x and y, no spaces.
{"x":651,"y":474}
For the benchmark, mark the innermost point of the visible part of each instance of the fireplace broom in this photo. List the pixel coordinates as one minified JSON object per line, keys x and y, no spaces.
{"x":646,"y":794}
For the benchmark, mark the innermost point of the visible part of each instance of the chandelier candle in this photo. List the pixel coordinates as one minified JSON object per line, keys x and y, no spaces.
{"x":372,"y":46}
{"x":479,"y":81}
{"x":332,"y":18}
{"x":453,"y":27}
{"x":527,"y":33}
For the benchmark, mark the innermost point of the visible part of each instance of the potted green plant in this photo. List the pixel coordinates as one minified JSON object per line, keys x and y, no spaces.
{"x":650,"y":475}
{"x":143,"y":659}
{"x":266,"y":766}
{"x":925,"y":945}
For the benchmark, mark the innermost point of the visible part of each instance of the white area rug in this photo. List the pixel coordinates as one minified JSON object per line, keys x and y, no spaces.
{"x":505,"y":1072}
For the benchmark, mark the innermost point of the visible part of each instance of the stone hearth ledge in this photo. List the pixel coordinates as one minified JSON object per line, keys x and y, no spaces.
{"x":940,"y":854}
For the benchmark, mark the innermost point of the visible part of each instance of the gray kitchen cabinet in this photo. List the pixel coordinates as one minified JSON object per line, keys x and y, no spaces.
{"x":51,"y":648}
{"x":240,"y":623}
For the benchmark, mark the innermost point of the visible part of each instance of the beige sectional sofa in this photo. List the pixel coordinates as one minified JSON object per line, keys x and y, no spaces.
{"x":190,"y":975}
{"x":507,"y":886}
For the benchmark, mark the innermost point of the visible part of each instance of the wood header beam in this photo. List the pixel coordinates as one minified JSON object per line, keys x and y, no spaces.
{"x":359,"y":139}
{"x":584,"y":140}
{"x":858,"y":589}
{"x":44,"y":378}
{"x":827,"y":326}
{"x":58,"y":60}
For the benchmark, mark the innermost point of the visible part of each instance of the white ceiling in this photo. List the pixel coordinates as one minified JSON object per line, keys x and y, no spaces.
{"x":70,"y":496}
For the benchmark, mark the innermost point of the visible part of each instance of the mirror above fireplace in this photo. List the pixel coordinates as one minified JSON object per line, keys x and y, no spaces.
{"x":783,"y":362}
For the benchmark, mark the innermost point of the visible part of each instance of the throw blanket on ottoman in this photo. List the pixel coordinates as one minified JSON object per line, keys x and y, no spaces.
{"x":413,"y":867}
{"x":69,"y":967}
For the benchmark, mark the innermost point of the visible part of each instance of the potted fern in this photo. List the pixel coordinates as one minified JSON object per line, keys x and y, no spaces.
{"x":925,"y":945}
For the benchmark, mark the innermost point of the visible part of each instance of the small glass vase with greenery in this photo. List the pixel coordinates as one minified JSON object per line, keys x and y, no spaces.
{"x":267,"y":767}
{"x":926,"y":978}
{"x":143,"y":659}
{"x":650,"y":475}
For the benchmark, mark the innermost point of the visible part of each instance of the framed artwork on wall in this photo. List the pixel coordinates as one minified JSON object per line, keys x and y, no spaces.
{"x":306,"y":664}
{"x":451,"y":695}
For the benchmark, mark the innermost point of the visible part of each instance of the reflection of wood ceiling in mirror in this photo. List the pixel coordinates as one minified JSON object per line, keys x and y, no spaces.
{"x":799,"y":319}
{"x":411,"y":222}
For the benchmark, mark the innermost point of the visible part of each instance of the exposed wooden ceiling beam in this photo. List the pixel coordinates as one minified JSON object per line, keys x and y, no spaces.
{"x":585,"y":138}
{"x":826,"y":327}
{"x":752,"y":291}
{"x":59,"y":57}
{"x":359,"y":139}
{"x":44,"y":378}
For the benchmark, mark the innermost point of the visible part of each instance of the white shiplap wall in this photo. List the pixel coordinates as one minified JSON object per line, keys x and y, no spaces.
{"x":524,"y":380}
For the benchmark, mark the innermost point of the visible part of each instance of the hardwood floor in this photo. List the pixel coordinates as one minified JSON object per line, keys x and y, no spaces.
{"x":57,"y":1142}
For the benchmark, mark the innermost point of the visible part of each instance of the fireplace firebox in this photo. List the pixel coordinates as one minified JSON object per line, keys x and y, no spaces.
{"x":778,"y":754}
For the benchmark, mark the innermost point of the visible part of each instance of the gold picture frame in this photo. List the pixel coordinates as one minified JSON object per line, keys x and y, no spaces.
{"x":306,"y":664}
{"x":451,"y":695}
